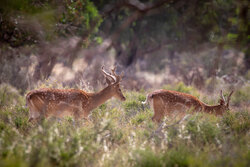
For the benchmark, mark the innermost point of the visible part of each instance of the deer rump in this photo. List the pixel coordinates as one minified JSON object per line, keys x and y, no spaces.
{"x":56,"y":102}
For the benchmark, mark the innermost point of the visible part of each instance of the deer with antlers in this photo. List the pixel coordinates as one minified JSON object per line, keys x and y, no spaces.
{"x":166,"y":102}
{"x":47,"y":102}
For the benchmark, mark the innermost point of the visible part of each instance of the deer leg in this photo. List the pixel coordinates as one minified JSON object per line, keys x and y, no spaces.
{"x":44,"y":111}
{"x":85,"y":116}
{"x":182,"y":115}
{"x":33,"y":115}
{"x":30,"y":119}
{"x":79,"y":115}
{"x":30,"y":116}
{"x":76,"y":116}
{"x":158,"y":110}
{"x":158,"y":115}
{"x":155,"y":119}
{"x":38,"y":120}
{"x":37,"y":115}
{"x":33,"y":112}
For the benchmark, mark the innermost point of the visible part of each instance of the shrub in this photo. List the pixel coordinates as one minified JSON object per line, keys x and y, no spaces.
{"x":147,"y":158}
{"x":141,"y":117}
{"x":238,"y":122}
{"x":203,"y":130}
{"x":9,"y":96}
{"x":209,"y":131}
{"x":133,"y":103}
{"x":122,"y":134}
{"x":176,"y":157}
{"x":241,"y":96}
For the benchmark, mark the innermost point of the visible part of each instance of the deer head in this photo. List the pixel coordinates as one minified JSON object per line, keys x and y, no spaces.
{"x":113,"y":81}
{"x":223,"y":102}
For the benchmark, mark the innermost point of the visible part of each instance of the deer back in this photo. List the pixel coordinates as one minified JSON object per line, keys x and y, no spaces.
{"x":52,"y":99}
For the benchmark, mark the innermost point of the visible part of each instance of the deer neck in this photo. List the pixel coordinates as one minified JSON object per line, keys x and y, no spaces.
{"x":97,"y":99}
{"x":216,"y":109}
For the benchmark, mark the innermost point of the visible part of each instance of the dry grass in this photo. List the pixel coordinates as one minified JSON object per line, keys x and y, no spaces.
{"x":122,"y":134}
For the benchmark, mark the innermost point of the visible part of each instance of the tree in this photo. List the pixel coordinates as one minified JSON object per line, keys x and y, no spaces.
{"x":133,"y":28}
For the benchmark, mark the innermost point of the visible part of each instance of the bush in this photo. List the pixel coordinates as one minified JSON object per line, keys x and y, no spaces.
{"x":141,"y":117}
{"x":241,"y":96}
{"x":147,"y":158}
{"x":133,"y":103}
{"x":123,"y":134}
{"x":176,"y":157}
{"x":238,"y":122}
{"x":9,"y":96}
{"x":203,"y":129}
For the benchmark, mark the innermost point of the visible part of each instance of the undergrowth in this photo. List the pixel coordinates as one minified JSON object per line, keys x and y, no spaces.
{"x":122,"y":134}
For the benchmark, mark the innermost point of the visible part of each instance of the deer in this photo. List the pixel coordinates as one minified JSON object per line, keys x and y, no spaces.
{"x":58,"y":103}
{"x":167,"y":102}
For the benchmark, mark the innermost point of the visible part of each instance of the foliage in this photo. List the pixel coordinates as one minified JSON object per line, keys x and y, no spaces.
{"x":241,"y":95}
{"x":9,"y":96}
{"x":80,"y":14}
{"x":238,"y":122}
{"x":123,"y":135}
{"x":198,"y":21}
{"x":29,"y":22}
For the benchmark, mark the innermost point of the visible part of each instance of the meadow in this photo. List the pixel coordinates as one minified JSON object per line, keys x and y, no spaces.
{"x":123,"y":134}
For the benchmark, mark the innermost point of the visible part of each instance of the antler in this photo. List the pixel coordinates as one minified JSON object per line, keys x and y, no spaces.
{"x":118,"y":77}
{"x":229,"y":97}
{"x":108,"y":75}
{"x":222,"y":97}
{"x":113,"y":71}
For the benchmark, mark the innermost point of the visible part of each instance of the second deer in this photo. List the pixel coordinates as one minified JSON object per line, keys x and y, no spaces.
{"x":71,"y":102}
{"x":166,"y":102}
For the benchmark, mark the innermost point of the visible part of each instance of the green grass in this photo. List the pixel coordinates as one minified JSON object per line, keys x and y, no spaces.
{"x":122,"y":134}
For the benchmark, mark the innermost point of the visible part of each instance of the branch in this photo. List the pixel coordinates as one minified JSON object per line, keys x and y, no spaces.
{"x":133,"y":4}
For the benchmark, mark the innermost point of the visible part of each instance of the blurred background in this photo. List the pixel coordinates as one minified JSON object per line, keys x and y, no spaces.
{"x":155,"y":42}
